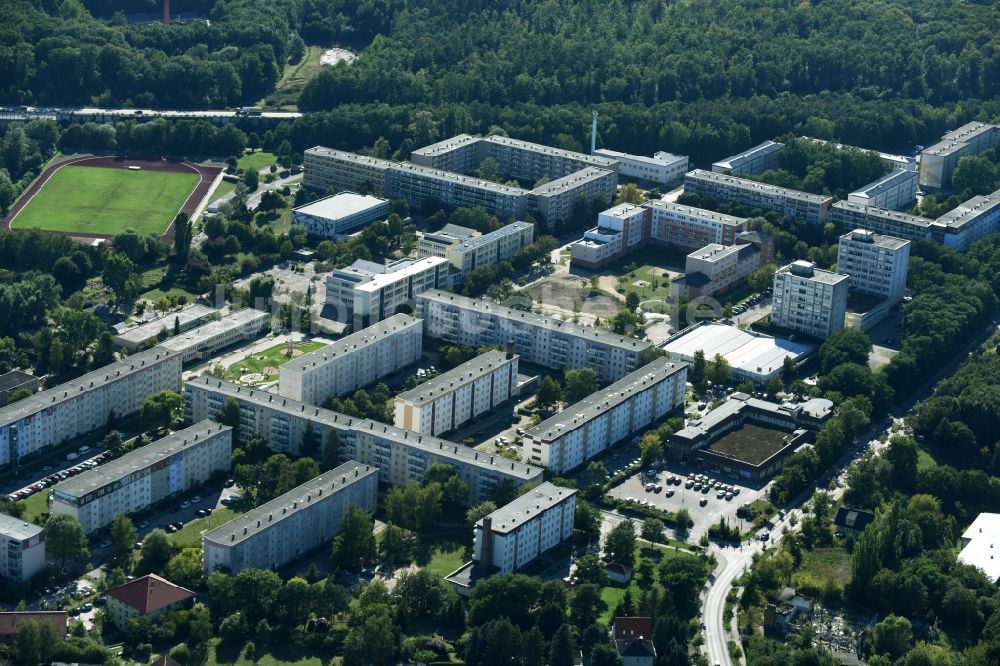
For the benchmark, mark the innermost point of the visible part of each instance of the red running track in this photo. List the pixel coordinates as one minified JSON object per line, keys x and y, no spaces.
{"x":194,"y":200}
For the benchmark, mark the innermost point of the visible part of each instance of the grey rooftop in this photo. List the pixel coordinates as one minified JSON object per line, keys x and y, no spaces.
{"x":455,"y":378}
{"x":536,"y":501}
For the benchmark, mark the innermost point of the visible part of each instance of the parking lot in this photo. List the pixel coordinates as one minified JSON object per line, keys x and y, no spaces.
{"x":704,"y":505}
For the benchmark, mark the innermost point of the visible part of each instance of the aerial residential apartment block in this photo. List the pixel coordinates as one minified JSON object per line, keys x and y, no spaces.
{"x":84,"y":404}
{"x":619,"y":230}
{"x":813,"y":208}
{"x":489,"y":249}
{"x":23,"y":554}
{"x":809,"y":300}
{"x":365,"y":292}
{"x":544,"y":341}
{"x":886,"y":222}
{"x":894,"y":191}
{"x":458,"y":396}
{"x":663,"y":168}
{"x":400,"y":455}
{"x":353,"y":362}
{"x":144,"y":476}
{"x":754,"y":160}
{"x":939,"y":161}
{"x":876,"y":264}
{"x":517,"y":533}
{"x":301,"y":520}
{"x":715,"y":269}
{"x":971,"y":221}
{"x":589,"y":427}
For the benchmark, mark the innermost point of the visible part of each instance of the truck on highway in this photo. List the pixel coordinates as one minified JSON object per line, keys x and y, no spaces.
{"x":249,"y":111}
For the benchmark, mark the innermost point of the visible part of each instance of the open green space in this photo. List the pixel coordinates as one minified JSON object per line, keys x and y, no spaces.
{"x":293,"y":78}
{"x":647,"y":271}
{"x":255,"y":161}
{"x":190,"y":534}
{"x":222,"y":189}
{"x":36,"y":505}
{"x":220,"y":654}
{"x":441,"y":553}
{"x":267,"y":362}
{"x":102,"y":200}
{"x":821,"y":564}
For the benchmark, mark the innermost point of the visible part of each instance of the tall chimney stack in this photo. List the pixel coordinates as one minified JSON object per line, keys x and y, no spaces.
{"x":166,"y":12}
{"x":593,"y":132}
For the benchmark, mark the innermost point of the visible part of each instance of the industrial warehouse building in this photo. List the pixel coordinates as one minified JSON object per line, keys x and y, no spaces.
{"x":400,"y":455}
{"x":339,"y":215}
{"x":145,"y":476}
{"x":303,"y":519}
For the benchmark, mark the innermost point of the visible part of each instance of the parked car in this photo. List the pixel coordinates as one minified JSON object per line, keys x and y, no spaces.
{"x":229,"y":483}
{"x":185,"y":504}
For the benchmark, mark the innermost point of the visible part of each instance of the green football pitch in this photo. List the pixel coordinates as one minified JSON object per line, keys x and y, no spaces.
{"x":104,"y":200}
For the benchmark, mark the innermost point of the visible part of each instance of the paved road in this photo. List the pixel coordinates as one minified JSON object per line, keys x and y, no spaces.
{"x":735,"y":561}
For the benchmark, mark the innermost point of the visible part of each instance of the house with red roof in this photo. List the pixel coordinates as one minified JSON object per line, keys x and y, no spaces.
{"x":150,"y":596}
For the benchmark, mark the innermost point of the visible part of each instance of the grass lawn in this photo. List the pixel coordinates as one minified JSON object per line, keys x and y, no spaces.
{"x":647,"y":266}
{"x":925,"y":460}
{"x":269,"y":359}
{"x":441,"y":552}
{"x":279,"y":655}
{"x":611,"y":596}
{"x":36,"y":505}
{"x":154,"y":289}
{"x":286,"y":92}
{"x":822,"y":564}
{"x":222,"y":189}
{"x":255,"y":161}
{"x":106,"y":200}
{"x":190,"y":534}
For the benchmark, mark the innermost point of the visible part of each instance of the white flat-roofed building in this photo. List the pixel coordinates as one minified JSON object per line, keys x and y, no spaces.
{"x":663,"y":167}
{"x":876,"y":264}
{"x":461,"y":153}
{"x":553,"y":202}
{"x":691,"y":228}
{"x":338,"y":215}
{"x":490,"y":249}
{"x":752,"y":356}
{"x":754,"y":160}
{"x":365,"y":293}
{"x":301,"y":520}
{"x":939,"y":161}
{"x":145,"y":476}
{"x":971,"y":221}
{"x":458,"y":396}
{"x":886,"y":222}
{"x":330,"y":170}
{"x":23,"y":554}
{"x":540,"y":340}
{"x":147,"y":334}
{"x":434,"y":243}
{"x":619,"y":230}
{"x":206,"y":340}
{"x":980,"y":544}
{"x":894,"y":191}
{"x":809,"y":300}
{"x":83,"y":405}
{"x":589,"y":427}
{"x":517,"y":533}
{"x":353,"y":362}
{"x":400,"y":455}
{"x":813,"y":208}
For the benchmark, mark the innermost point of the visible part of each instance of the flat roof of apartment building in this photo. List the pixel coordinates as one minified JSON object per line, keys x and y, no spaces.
{"x":969,"y":211}
{"x":351,"y":343}
{"x":334,"y":419}
{"x":343,"y":155}
{"x":339,"y":206}
{"x":139,"y":459}
{"x":883,"y":213}
{"x":872,"y":238}
{"x":267,"y":515}
{"x":528,"y":506}
{"x":14,"y":379}
{"x":957,"y":138}
{"x":457,"y":377}
{"x":550,"y":323}
{"x":747,"y":184}
{"x":451,"y":233}
{"x":205,"y":332}
{"x":739,"y":159}
{"x":447,"y":145}
{"x":151,"y":329}
{"x":457,"y":178}
{"x":18,"y":528}
{"x":519,"y":144}
{"x":95,"y":379}
{"x":559,"y":185}
{"x":807,"y":270}
{"x":700,"y":213}
{"x":478,"y":241}
{"x":623,"y":211}
{"x":595,"y":404}
{"x":886,"y":182}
